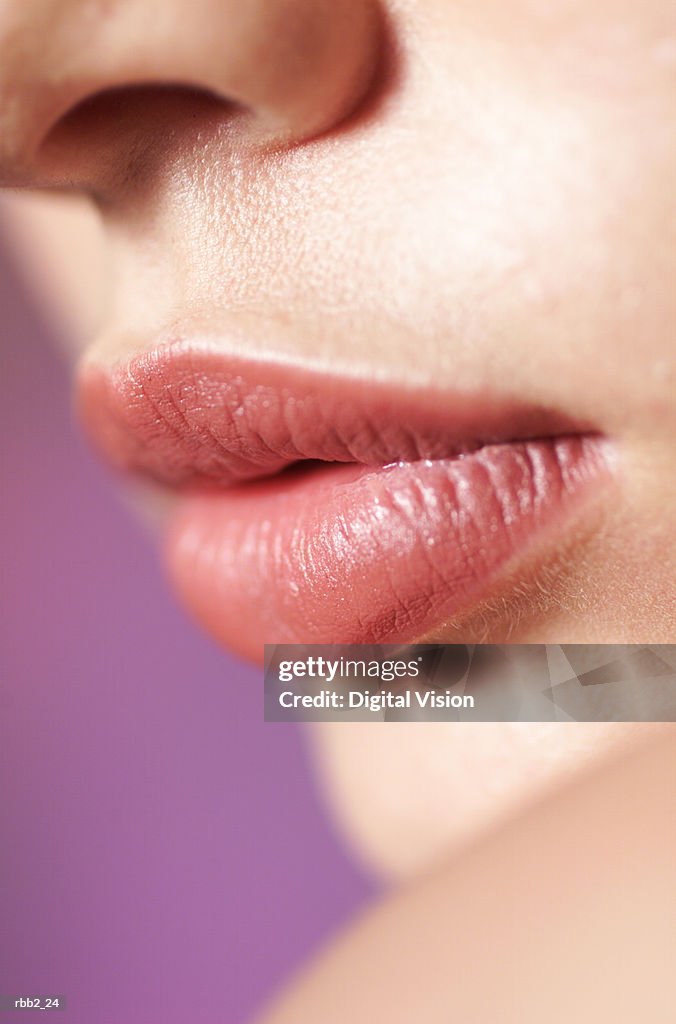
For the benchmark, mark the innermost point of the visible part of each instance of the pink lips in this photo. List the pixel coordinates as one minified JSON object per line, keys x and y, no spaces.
{"x":438,"y":495}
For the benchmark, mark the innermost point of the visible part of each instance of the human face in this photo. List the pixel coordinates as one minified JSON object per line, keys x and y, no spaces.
{"x":410,"y":230}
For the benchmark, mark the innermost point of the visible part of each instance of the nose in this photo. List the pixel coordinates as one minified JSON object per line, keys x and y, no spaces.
{"x":296,"y":66}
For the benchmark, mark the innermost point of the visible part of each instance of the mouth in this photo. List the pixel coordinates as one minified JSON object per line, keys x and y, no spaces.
{"x":321,"y":509}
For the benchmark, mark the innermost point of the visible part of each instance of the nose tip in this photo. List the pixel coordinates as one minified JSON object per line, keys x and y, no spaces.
{"x":297,"y":66}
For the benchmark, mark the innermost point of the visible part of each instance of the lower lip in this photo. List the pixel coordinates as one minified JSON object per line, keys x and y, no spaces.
{"x":346,"y":554}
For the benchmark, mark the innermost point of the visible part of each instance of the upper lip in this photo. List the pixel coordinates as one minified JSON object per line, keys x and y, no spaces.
{"x":185,"y":413}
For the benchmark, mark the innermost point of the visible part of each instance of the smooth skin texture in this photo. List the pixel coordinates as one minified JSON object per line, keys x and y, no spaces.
{"x":479,"y":194}
{"x":562,"y":914}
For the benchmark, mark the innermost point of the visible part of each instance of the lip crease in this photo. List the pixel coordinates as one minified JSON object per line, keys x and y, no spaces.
{"x":325,"y":509}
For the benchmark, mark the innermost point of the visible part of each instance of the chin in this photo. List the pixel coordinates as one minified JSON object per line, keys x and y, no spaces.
{"x":405,"y":795}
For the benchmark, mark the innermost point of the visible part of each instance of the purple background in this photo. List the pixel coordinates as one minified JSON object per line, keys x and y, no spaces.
{"x":163,"y":856}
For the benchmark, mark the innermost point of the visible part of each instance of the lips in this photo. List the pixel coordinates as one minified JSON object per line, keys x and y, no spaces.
{"x":316,"y":509}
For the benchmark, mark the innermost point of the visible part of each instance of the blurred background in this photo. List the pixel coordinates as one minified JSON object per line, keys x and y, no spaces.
{"x":163,"y":855}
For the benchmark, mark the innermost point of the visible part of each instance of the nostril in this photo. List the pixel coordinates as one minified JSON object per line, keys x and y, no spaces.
{"x":296,"y":66}
{"x":125,"y":136}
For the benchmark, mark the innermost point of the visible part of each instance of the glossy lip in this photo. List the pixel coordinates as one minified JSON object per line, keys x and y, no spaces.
{"x":276,"y":541}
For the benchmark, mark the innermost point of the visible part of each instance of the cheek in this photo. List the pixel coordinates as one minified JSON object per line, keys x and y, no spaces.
{"x":405,"y":794}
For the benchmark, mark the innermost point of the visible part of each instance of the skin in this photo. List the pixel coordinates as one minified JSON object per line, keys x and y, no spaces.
{"x":478,"y":194}
{"x":527,"y":926}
